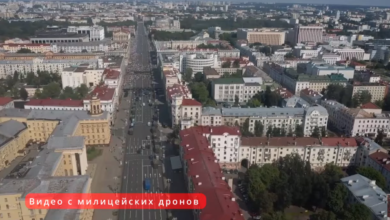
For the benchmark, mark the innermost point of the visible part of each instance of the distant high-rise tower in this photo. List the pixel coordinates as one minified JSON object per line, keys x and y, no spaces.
{"x":337,"y":15}
{"x":388,"y":16}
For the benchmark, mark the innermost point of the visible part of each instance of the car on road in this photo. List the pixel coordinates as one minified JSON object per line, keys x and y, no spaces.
{"x":147,"y":184}
{"x":149,"y":124}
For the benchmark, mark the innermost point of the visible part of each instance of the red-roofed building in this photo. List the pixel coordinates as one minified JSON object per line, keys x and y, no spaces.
{"x":188,"y":114}
{"x":204,"y":175}
{"x":107,"y":97}
{"x":55,"y":104}
{"x":6,"y":102}
{"x":113,"y":79}
{"x":371,"y":108}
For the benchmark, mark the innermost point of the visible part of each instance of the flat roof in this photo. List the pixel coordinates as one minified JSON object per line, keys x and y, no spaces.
{"x":176,"y":163}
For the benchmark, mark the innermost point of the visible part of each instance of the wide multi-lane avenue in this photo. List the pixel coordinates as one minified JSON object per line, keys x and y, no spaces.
{"x":137,"y":164}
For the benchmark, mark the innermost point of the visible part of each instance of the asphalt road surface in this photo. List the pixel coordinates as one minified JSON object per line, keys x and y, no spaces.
{"x":137,"y":164}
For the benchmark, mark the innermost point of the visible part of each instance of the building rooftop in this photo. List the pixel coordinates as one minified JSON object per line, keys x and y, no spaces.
{"x":208,"y":71}
{"x":190,"y":102}
{"x":55,"y":102}
{"x":262,"y":112}
{"x":5,"y":100}
{"x":207,"y":176}
{"x":297,"y":141}
{"x":111,"y":74}
{"x":102,"y":92}
{"x":367,"y":193}
{"x":178,"y":90}
{"x":9,"y":130}
{"x":369,"y":105}
{"x":65,"y":143}
{"x":228,"y":81}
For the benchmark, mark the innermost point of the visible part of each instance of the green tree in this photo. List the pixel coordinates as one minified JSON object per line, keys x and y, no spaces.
{"x":245,"y":129}
{"x":253,"y":103}
{"x":187,"y":75}
{"x":316,"y":132}
{"x":16,"y":77}
{"x":23,"y":94}
{"x":51,"y":90}
{"x":323,"y":132}
{"x":15,"y":92}
{"x":259,"y":128}
{"x":324,"y":215}
{"x":199,"y":77}
{"x":9,"y":81}
{"x":276,"y":132}
{"x":199,"y":92}
{"x":332,"y":175}
{"x":38,"y":94}
{"x":379,"y":137}
{"x":236,"y":101}
{"x":299,"y":130}
{"x":365,"y":97}
{"x":226,"y":64}
{"x":2,"y":90}
{"x":271,"y":98}
{"x":269,"y":131}
{"x":24,"y":50}
{"x":30,"y":76}
{"x":337,"y":199}
{"x":320,"y":191}
{"x":357,"y":211}
{"x":236,"y":64}
{"x":275,"y":216}
{"x":386,"y":103}
{"x":82,"y":90}
{"x":373,"y":174}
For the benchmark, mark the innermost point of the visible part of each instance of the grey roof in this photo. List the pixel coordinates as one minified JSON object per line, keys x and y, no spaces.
{"x":90,"y":43}
{"x":73,"y":142}
{"x":44,"y":164}
{"x":318,"y":108}
{"x":262,"y":112}
{"x":176,"y":163}
{"x":295,"y":102}
{"x":15,"y":112}
{"x":62,"y":114}
{"x":211,"y":111}
{"x":10,"y":129}
{"x":368,"y":193}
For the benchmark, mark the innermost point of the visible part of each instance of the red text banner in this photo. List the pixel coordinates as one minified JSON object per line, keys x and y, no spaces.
{"x":115,"y":201}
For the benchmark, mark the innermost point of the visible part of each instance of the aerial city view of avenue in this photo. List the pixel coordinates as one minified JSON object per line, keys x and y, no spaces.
{"x":272,"y":111}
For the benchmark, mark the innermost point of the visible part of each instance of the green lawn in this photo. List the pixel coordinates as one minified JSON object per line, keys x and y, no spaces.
{"x":92,"y":153}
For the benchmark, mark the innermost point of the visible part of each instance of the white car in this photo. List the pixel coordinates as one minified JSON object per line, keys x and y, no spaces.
{"x":143,"y":104}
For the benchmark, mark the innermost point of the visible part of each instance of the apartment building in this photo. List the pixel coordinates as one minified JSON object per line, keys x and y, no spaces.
{"x":322,"y":69}
{"x":49,"y":38}
{"x":121,"y":36}
{"x":346,"y":53}
{"x":365,"y":191}
{"x":106,"y":97}
{"x":35,"y":48}
{"x":295,"y":82}
{"x":175,"y":95}
{"x":227,"y":89}
{"x":302,"y":33}
{"x":203,"y":174}
{"x":81,"y":47}
{"x":263,"y":36}
{"x":355,"y":121}
{"x":319,"y":152}
{"x":378,"y":91}
{"x":284,"y":118}
{"x":188,"y":114}
{"x":52,"y":62}
{"x":310,"y":96}
{"x":95,"y":33}
{"x":55,"y":104}
{"x":167,"y":23}
{"x":171,"y":76}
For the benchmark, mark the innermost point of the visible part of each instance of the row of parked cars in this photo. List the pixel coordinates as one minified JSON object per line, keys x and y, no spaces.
{"x":243,"y":189}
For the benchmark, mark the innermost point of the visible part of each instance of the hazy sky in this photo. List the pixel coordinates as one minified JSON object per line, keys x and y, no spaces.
{"x":341,"y":2}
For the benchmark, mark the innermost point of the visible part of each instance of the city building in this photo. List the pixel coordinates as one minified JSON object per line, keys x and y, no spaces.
{"x":346,"y":53}
{"x":201,"y":149}
{"x":378,"y":91}
{"x":199,"y":61}
{"x":318,"y":151}
{"x":283,"y":118}
{"x":312,"y":68}
{"x":6,"y":102}
{"x":35,"y":48}
{"x":229,"y":89}
{"x":107,"y":97}
{"x":55,"y":104}
{"x":51,"y":62}
{"x":188,"y":114}
{"x":166,"y":23}
{"x":49,"y":38}
{"x":355,"y":121}
{"x":121,"y":36}
{"x":302,"y":34}
{"x":263,"y":36}
{"x":95,"y":33}
{"x":365,"y":191}
{"x":295,"y":82}
{"x":80,"y":47}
